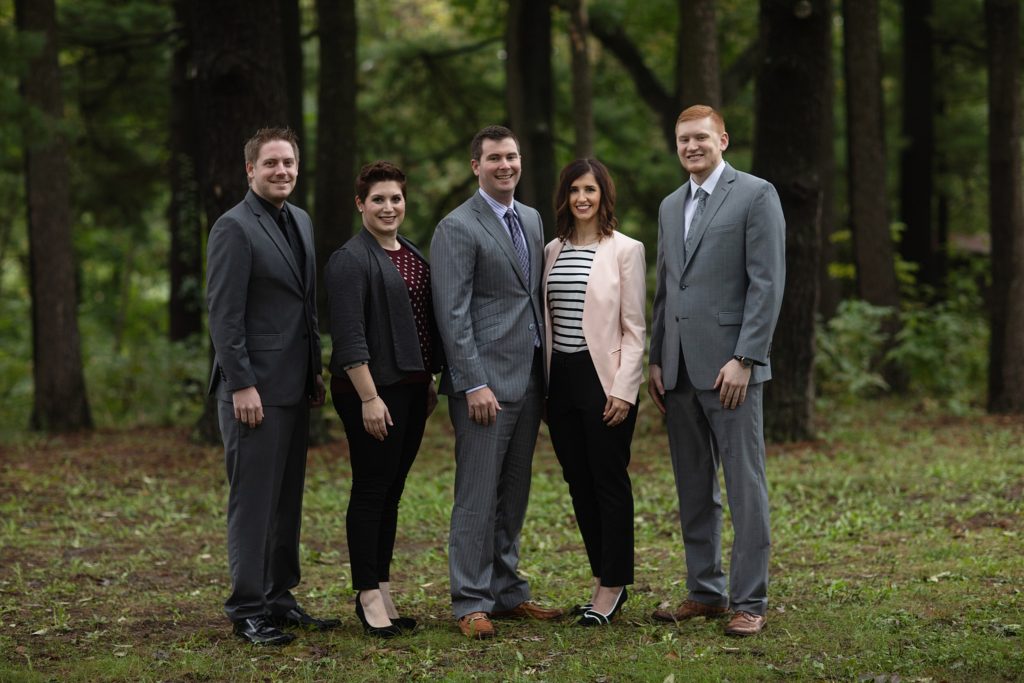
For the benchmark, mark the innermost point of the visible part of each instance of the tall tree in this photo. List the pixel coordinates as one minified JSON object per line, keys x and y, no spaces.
{"x":792,"y":104}
{"x":529,"y":97}
{"x":873,"y":251}
{"x":697,"y":70}
{"x":335,"y":133}
{"x":291,"y":30}
{"x":60,"y":403}
{"x":582,"y":83}
{"x":920,"y":241}
{"x":240,"y":87}
{"x":1006,"y":207}
{"x":185,"y":258}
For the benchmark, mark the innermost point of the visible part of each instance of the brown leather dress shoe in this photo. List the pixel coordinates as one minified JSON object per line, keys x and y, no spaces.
{"x":528,"y":610}
{"x":476,"y":625}
{"x":690,"y":609}
{"x":745,"y":624}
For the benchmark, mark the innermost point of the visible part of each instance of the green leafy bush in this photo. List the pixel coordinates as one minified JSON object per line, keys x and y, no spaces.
{"x":849,"y":347}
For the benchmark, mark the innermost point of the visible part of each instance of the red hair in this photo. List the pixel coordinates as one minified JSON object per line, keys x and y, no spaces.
{"x":702,"y":111}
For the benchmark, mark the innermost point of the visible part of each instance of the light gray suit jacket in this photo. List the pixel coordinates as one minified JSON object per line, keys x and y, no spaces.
{"x":488,"y":313}
{"x":723,"y":298}
{"x":262,"y":314}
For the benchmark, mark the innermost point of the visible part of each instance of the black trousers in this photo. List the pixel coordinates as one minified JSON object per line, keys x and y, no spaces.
{"x":379,"y":469}
{"x":595,"y":461}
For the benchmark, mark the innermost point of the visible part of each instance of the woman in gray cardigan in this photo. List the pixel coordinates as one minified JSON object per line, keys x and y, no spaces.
{"x":385,"y":351}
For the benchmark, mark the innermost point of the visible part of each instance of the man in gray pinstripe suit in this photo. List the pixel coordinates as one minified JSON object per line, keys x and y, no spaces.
{"x":486,"y":271}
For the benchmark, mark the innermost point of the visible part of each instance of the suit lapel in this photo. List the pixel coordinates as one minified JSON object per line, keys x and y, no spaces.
{"x":500,"y":235}
{"x":305,"y":233}
{"x":714,"y":203}
{"x":274,"y":233}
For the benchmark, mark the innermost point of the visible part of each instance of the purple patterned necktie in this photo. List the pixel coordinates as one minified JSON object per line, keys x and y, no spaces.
{"x":518,"y":241}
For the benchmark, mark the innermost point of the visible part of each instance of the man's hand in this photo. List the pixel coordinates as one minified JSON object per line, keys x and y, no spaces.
{"x":615,"y":411}
{"x":248,"y":406}
{"x":732,"y":380}
{"x":655,"y":388}
{"x":483,"y":406}
{"x":319,"y":392}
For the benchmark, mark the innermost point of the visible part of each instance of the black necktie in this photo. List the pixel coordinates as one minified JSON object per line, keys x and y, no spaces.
{"x":292,"y":237}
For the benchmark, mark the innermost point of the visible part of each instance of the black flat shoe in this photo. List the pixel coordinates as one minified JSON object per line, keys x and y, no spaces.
{"x":259,"y":631}
{"x":591,"y":617}
{"x":389,"y":631}
{"x":298,"y":617}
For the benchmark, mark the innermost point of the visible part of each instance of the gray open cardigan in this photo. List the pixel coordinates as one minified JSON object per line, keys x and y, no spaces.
{"x":371,"y":314}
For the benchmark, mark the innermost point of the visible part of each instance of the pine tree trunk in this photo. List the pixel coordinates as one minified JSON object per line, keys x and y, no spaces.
{"x":530,"y":100}
{"x":60,"y":403}
{"x":1006,"y":208}
{"x":698,"y":80}
{"x":582,"y":83}
{"x":792,"y":104}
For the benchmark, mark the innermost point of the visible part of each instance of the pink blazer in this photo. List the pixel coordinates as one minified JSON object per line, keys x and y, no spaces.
{"x":613,"y":312}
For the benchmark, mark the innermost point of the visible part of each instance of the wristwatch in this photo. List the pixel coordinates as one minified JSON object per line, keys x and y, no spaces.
{"x":744,"y":361}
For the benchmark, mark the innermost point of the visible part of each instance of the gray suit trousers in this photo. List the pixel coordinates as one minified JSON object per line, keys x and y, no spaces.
{"x":702,"y":434}
{"x":492,"y":487}
{"x":266,"y":469}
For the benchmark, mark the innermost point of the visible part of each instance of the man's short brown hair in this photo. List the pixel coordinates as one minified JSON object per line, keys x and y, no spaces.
{"x":701,"y":111}
{"x":496,"y":133}
{"x":264,"y":135}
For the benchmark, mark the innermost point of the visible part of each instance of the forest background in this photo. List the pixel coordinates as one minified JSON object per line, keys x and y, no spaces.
{"x":891,"y":130}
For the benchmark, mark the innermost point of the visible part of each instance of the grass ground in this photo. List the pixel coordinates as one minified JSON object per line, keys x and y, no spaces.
{"x":897,"y":557}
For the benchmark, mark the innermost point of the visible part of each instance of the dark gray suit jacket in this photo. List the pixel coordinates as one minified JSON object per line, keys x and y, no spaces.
{"x":723,"y":298}
{"x":262,"y":313}
{"x":371,"y":313}
{"x":488,"y":312}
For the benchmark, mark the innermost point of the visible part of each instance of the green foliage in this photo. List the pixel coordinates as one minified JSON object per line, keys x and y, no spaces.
{"x":849,"y":346}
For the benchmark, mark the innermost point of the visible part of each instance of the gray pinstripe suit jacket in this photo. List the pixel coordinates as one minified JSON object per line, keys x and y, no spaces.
{"x":488,"y":313}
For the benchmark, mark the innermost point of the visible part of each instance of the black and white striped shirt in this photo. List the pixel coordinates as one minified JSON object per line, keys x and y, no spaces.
{"x":567,"y":288}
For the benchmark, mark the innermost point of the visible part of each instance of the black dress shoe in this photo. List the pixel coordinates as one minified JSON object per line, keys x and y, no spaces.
{"x":297,"y":617}
{"x":259,"y":631}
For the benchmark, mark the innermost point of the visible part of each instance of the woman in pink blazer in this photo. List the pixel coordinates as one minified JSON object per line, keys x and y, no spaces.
{"x":594,"y":293}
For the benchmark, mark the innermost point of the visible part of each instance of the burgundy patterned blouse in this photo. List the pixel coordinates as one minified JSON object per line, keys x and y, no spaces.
{"x":416,"y":274}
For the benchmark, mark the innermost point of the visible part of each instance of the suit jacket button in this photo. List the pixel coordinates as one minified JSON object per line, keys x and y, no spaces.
{"x":531,"y":326}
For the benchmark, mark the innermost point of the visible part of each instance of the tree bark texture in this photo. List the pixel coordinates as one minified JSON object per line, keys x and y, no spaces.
{"x":920,"y":243}
{"x":697,"y":69}
{"x":185,"y":259}
{"x":792,"y":104}
{"x":582,"y":83}
{"x":529,"y":97}
{"x":1006,"y":208}
{"x":240,"y":88}
{"x":291,"y":29}
{"x":873,"y":251}
{"x":335,"y":134}
{"x":60,"y":403}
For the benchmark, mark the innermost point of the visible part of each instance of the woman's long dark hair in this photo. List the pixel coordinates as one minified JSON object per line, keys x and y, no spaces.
{"x":606,"y":220}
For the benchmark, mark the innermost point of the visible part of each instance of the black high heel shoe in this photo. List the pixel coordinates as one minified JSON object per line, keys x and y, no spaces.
{"x":580,"y":610}
{"x":389,"y":631}
{"x":406,"y":624}
{"x":592,"y":617}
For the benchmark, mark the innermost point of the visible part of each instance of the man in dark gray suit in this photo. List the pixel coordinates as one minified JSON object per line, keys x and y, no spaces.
{"x":261,"y":291}
{"x":720,"y":275}
{"x":486,"y":271}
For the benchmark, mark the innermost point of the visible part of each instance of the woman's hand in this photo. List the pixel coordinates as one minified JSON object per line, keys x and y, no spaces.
{"x":376,"y":418}
{"x":615,"y":411}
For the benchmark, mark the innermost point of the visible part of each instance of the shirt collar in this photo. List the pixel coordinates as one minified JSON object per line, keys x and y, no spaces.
{"x":497,"y":207}
{"x":709,"y":184}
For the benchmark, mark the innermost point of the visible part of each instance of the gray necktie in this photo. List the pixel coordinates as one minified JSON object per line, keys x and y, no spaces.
{"x":701,"y":197}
